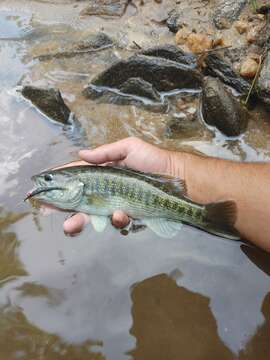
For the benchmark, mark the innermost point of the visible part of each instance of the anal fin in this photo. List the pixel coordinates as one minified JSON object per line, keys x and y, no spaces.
{"x":99,"y":222}
{"x":162,"y":227}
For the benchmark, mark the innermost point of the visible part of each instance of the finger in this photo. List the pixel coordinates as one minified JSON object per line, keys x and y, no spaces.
{"x":75,"y":224}
{"x":106,"y":153}
{"x":120,"y":219}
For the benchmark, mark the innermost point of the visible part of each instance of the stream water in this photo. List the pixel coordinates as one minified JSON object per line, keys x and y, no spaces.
{"x":106,"y":296}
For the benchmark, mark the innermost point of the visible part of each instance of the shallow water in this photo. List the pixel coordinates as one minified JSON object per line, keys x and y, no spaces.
{"x":108,"y":296}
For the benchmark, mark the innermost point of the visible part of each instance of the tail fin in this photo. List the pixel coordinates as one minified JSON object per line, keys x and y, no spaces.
{"x":221,"y":218}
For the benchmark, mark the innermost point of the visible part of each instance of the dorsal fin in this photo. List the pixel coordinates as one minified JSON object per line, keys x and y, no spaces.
{"x":169,"y":184}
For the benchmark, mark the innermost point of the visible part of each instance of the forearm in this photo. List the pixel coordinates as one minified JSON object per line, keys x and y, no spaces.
{"x":248,"y":184}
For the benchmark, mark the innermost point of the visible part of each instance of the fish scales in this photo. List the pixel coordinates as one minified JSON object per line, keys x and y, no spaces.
{"x":100,"y":190}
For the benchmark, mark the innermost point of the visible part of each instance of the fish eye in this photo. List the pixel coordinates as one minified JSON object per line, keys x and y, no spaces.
{"x":48,"y":177}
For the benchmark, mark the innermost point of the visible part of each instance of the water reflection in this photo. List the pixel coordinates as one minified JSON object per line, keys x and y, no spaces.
{"x":171,"y":322}
{"x":10,"y":264}
{"x":33,"y":343}
{"x":258,"y":346}
{"x":259,"y":257}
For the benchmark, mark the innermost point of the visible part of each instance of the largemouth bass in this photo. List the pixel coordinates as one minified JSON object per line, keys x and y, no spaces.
{"x":159,"y":201}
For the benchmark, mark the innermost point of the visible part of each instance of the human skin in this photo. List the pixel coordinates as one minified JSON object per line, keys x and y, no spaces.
{"x":208,"y":180}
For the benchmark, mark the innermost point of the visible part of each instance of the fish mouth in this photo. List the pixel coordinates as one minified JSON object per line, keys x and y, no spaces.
{"x":40,"y":190}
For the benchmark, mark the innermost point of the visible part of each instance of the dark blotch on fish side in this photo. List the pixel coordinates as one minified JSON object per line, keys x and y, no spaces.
{"x":163,"y":74}
{"x":217,"y":67}
{"x":173,"y":53}
{"x":221,"y":109}
{"x":226,"y":12}
{"x":49,"y":102}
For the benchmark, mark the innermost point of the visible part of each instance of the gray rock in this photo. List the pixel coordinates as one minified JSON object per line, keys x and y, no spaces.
{"x":221,"y":109}
{"x":217,"y":67}
{"x":171,"y":52}
{"x":173,"y":21}
{"x":106,"y":7}
{"x":92,"y":44}
{"x":139,"y":87}
{"x":49,"y":102}
{"x":263,"y":84}
{"x":96,"y":41}
{"x":227,"y":12}
{"x":134,"y":87}
{"x":163,"y":74}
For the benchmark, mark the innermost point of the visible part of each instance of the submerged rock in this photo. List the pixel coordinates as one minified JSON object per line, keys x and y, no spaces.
{"x":49,"y":102}
{"x":263,"y":84}
{"x":93,"y":43}
{"x":217,"y":67}
{"x":171,"y":52}
{"x":221,"y":109}
{"x":134,"y":91}
{"x":163,"y":74}
{"x":106,"y":7}
{"x":139,"y":87}
{"x":227,"y":12}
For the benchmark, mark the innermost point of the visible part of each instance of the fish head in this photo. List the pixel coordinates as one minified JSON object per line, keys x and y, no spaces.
{"x":60,"y":188}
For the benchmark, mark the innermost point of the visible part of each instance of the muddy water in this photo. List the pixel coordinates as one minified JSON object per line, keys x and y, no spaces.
{"x":108,"y":296}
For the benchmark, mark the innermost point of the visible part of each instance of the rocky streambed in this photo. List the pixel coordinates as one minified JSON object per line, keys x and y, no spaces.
{"x":144,"y":68}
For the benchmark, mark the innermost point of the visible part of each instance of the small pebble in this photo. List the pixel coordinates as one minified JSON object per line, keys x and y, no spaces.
{"x":198,"y":43}
{"x":181,"y":36}
{"x":241,"y":26}
{"x":249,"y":68}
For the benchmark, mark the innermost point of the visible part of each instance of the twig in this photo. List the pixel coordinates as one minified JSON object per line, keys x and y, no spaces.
{"x":215,"y":49}
{"x":256,"y":77}
{"x":138,"y":46}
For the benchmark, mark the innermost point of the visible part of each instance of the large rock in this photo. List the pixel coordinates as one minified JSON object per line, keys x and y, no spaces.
{"x":227,"y":12}
{"x":217,"y":67}
{"x":221,"y":109}
{"x":163,"y":74}
{"x":106,"y":7}
{"x":49,"y":102}
{"x":263,"y":84}
{"x":171,"y":52}
{"x":134,"y":91}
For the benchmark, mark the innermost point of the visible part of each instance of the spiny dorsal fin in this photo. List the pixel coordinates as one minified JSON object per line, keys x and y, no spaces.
{"x":169,"y":184}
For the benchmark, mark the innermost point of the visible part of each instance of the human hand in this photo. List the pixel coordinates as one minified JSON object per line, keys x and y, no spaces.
{"x":133,"y":153}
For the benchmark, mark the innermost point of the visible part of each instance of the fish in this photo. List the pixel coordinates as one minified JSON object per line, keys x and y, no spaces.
{"x":159,"y":201}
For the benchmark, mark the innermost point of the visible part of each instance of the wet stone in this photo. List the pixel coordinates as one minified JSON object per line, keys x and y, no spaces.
{"x":263,"y":84}
{"x":173,"y":53}
{"x":163,"y":74}
{"x":92,"y":43}
{"x":139,"y":87}
{"x":106,"y":7}
{"x":227,"y":12}
{"x":49,"y":102}
{"x":217,"y":67}
{"x":96,"y":41}
{"x":116,"y":96}
{"x":173,"y":21}
{"x":221,"y":109}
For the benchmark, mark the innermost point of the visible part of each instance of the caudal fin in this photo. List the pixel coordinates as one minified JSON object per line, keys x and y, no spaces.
{"x":221,"y":218}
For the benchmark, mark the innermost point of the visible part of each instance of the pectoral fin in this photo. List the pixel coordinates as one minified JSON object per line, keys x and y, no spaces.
{"x":99,"y":222}
{"x":162,"y":227}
